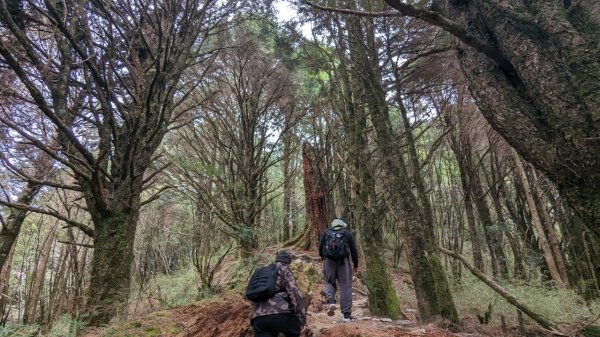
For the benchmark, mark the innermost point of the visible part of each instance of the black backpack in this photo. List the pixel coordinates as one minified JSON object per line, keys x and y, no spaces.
{"x":334,"y":247}
{"x":262,"y":284}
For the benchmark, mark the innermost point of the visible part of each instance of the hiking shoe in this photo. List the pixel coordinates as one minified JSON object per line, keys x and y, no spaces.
{"x":331,"y":309}
{"x":348,"y":318}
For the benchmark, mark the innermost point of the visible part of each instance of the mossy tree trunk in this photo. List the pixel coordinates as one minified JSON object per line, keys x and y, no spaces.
{"x":383,"y":299}
{"x":431,"y":285}
{"x":112,"y":261}
{"x":368,"y":210}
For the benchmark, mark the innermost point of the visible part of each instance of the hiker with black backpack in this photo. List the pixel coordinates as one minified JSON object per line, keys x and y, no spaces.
{"x":278,"y":304}
{"x":335,"y":247}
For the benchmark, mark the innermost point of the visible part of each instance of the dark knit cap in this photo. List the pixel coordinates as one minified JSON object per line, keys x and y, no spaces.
{"x":283,"y":256}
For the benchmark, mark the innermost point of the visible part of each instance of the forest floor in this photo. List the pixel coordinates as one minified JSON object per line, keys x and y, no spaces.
{"x":229,"y":316}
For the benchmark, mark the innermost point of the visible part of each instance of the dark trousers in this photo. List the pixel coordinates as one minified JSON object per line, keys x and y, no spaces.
{"x":271,"y":325}
{"x":339,"y":272}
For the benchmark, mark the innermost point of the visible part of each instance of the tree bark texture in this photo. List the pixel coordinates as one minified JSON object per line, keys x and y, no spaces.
{"x":31,"y":305}
{"x":111,"y":266}
{"x":316,"y":196}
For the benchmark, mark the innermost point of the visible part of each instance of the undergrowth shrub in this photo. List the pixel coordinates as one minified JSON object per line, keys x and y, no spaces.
{"x":176,"y":289}
{"x":66,"y":326}
{"x":557,"y":304}
{"x":18,"y":330}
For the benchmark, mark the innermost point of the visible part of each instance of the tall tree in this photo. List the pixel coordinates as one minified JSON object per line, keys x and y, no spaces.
{"x":236,"y":137}
{"x":406,"y":190}
{"x":109,"y":78}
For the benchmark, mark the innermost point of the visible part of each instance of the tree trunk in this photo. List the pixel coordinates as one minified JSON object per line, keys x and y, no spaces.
{"x":549,"y":229}
{"x":496,"y":183}
{"x":431,"y":284}
{"x":111,"y":265}
{"x":9,"y":232}
{"x":468,"y":202}
{"x":288,"y":185}
{"x":4,"y":287}
{"x":56,"y":294}
{"x":316,"y":196}
{"x":493,"y":232}
{"x":29,"y":315}
{"x":383,"y":300}
{"x":543,"y":242}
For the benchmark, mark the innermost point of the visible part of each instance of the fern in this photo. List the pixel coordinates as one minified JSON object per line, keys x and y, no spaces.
{"x":19,"y":331}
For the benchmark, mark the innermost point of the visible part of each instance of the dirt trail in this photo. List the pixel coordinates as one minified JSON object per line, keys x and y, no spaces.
{"x":229,"y":316}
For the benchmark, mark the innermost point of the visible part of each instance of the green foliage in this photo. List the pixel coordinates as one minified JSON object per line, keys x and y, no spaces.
{"x":558,"y":305}
{"x":591,"y":331}
{"x":129,"y":331}
{"x":18,"y":330}
{"x":151,"y":331}
{"x":176,"y":289}
{"x":66,"y":326}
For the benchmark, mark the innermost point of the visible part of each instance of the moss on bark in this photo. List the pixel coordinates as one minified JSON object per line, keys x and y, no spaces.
{"x":111,"y":267}
{"x":446,"y":305}
{"x":383,"y":299}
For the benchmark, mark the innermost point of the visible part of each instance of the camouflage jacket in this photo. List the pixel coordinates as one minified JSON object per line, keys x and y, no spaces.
{"x":287,"y":300}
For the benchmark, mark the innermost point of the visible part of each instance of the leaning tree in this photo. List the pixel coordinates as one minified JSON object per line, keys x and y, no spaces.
{"x":109,"y":78}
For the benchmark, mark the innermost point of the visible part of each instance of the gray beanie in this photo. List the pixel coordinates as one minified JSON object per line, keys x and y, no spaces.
{"x":338,"y":223}
{"x":283,"y":256}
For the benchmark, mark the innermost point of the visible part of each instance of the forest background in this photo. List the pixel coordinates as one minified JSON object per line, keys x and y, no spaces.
{"x":145,"y":143}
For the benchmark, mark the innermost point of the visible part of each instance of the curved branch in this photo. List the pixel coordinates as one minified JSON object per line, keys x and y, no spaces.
{"x":84,"y":228}
{"x":12,"y":168}
{"x":433,"y":18}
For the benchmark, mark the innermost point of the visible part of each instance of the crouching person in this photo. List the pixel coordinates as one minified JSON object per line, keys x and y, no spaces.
{"x":283,"y":311}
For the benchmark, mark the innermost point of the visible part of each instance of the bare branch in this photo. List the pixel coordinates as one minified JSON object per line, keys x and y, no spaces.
{"x":33,"y":180}
{"x":354,"y":12}
{"x":156,"y":195}
{"x":76,"y":244}
{"x":433,"y":18}
{"x":84,"y":228}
